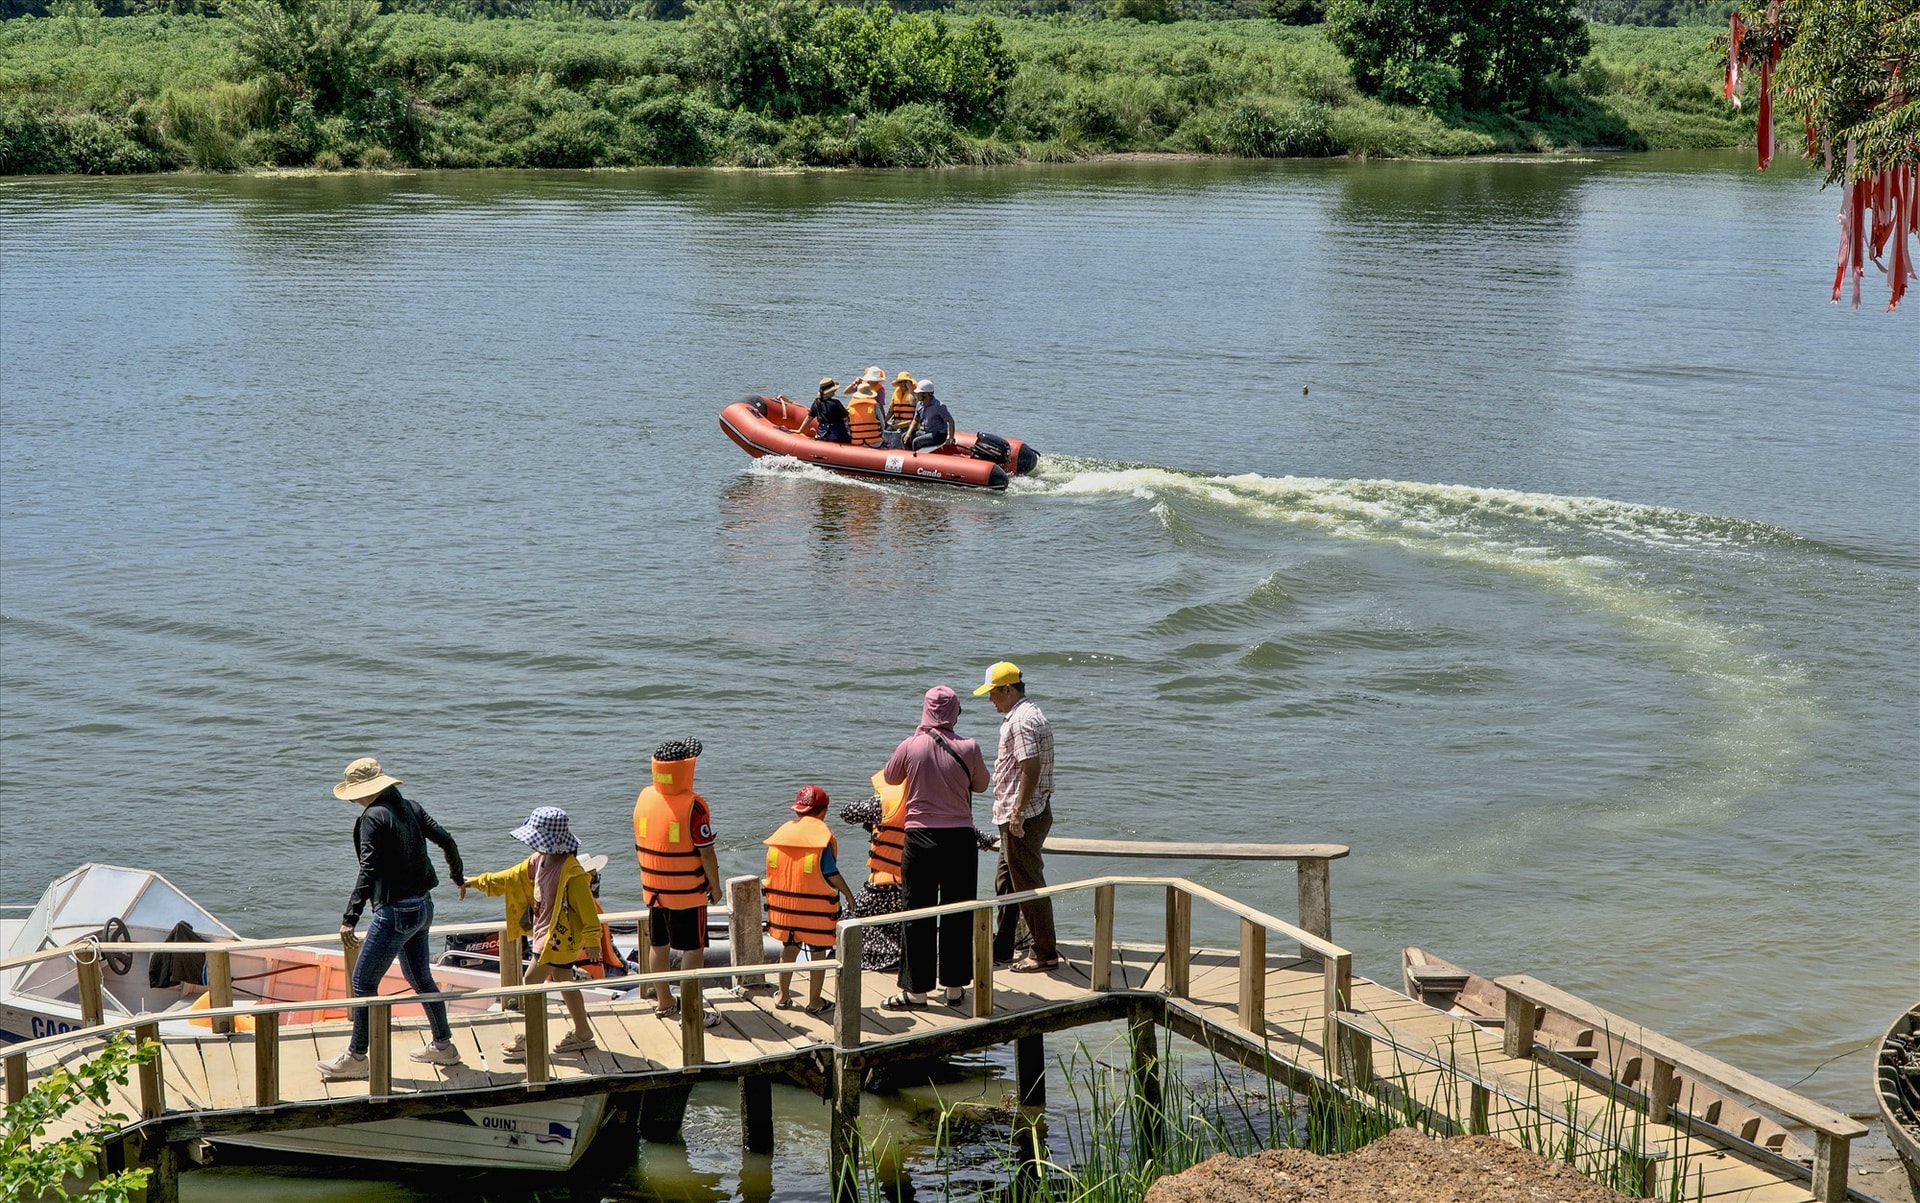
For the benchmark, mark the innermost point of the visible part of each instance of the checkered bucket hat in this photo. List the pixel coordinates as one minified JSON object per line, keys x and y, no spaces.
{"x":546,"y":831}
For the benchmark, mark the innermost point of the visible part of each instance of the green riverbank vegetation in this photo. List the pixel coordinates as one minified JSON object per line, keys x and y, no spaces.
{"x":336,"y":84}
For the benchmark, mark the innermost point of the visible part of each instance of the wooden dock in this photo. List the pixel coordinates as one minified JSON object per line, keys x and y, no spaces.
{"x":1297,"y":1014}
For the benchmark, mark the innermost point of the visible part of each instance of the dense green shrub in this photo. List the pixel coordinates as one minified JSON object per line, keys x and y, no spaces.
{"x":1269,"y":130}
{"x":1485,"y":53}
{"x":325,"y":49}
{"x":163,"y":92}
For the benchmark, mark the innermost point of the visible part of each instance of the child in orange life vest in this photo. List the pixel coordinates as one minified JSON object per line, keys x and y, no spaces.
{"x":600,"y":962}
{"x":548,"y":895}
{"x":803,"y":891}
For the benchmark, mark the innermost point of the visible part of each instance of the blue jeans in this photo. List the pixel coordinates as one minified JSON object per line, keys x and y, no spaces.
{"x":398,"y":929}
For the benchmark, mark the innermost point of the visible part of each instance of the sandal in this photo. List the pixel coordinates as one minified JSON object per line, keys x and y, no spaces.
{"x":1029,"y":965}
{"x":710,"y":1018}
{"x":901,"y":1002}
{"x":575,"y":1043}
{"x":514,"y":1051}
{"x":783,"y":1004}
{"x":820,"y":1008}
{"x":956,"y":995}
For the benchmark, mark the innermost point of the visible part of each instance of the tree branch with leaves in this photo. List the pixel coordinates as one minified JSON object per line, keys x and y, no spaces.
{"x":1847,"y":70}
{"x":33,"y":1168}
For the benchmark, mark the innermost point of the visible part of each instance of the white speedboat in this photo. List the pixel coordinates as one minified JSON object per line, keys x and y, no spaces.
{"x":112,"y":905}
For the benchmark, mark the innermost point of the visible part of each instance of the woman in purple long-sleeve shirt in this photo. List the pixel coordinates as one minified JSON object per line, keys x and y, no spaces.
{"x":942,"y":772}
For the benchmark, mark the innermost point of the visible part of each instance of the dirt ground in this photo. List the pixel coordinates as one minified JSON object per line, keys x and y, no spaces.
{"x":1401,"y":1167}
{"x":1407,"y":1167}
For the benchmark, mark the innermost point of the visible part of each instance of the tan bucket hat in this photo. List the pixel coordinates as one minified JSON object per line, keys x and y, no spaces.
{"x":363,"y":779}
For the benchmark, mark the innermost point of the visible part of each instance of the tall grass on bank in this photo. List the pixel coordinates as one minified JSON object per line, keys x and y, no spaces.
{"x":1101,"y":1153}
{"x":159,"y":93}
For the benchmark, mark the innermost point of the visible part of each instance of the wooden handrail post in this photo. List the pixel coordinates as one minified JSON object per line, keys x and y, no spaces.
{"x":1517,"y":1040}
{"x":693,"y":1022}
{"x":1336,"y":991}
{"x":846,"y":990}
{"x":1662,"y":1091}
{"x":1316,"y":903}
{"x":1179,"y":958}
{"x":16,"y":1079}
{"x":1477,"y":1113}
{"x":745,"y":914}
{"x":983,"y":962}
{"x":153,"y":1091}
{"x":266,"y":1059}
{"x":220,"y":987}
{"x":1355,"y":1060}
{"x":512,"y":972}
{"x":1253,"y":976}
{"x":534,"y":1023}
{"x":379,"y":1048}
{"x":1149,"y":1114}
{"x":86,"y":967}
{"x":1103,"y":937}
{"x":1830,"y":1155}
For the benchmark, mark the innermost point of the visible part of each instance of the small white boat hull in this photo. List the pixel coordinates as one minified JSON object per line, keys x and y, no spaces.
{"x":549,"y":1136}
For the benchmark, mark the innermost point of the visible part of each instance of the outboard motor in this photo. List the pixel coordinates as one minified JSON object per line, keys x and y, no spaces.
{"x":992,"y":448}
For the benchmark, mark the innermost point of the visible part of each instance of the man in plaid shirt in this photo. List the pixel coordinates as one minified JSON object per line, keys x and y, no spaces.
{"x":1023,"y":810}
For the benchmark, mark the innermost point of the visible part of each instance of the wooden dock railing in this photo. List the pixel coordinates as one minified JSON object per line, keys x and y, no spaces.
{"x":1833,"y":1132}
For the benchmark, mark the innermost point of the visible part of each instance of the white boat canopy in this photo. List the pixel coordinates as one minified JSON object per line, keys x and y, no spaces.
{"x":102,"y":902}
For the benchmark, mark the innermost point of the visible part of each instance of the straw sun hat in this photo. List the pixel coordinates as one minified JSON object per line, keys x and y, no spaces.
{"x":363,"y":779}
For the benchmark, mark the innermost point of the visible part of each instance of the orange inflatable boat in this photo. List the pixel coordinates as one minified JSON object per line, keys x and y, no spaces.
{"x":770,"y":426}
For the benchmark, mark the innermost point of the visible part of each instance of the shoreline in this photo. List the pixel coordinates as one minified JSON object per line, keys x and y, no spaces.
{"x":1583,"y":155}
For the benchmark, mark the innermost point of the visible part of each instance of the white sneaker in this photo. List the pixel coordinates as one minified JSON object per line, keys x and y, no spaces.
{"x":440,"y":1052}
{"x":347,"y":1067}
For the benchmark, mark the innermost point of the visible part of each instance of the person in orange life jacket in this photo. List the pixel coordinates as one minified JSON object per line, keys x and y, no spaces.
{"x":606,"y":960}
{"x":565,"y":922}
{"x":803,"y":879}
{"x":900,"y":405}
{"x":863,"y":417}
{"x":932,"y":422}
{"x":679,"y":875}
{"x":941,"y":772}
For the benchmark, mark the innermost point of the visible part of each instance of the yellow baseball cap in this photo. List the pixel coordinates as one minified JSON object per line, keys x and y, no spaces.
{"x":1004,"y":673}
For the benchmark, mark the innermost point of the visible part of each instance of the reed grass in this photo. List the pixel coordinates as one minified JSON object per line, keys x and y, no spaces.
{"x":1101,"y":1151}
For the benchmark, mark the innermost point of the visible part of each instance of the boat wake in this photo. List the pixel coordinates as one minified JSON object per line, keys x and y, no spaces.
{"x":1662,"y":577}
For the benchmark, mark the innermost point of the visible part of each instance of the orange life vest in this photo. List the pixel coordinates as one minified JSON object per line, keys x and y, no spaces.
{"x":595,"y":963}
{"x":801,"y":906}
{"x":901,"y":410}
{"x":888,"y":844}
{"x":671,"y":873}
{"x":863,"y":420}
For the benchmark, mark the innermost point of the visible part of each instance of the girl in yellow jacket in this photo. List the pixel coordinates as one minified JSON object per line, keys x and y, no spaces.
{"x":549,"y":898}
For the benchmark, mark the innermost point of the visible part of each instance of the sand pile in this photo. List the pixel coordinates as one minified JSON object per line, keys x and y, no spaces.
{"x":1401,"y":1166}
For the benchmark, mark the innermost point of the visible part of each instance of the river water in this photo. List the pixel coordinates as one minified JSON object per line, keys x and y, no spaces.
{"x":1538,"y":529}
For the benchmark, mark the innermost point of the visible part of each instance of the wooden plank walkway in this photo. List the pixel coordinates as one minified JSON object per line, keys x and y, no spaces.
{"x":1455,"y":1071}
{"x":207,"y":1074}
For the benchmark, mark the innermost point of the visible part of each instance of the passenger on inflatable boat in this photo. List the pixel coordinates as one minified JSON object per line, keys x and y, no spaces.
{"x":900,"y":408}
{"x":829,"y":414}
{"x":932,"y":423}
{"x":803,"y":889}
{"x":863,"y":418}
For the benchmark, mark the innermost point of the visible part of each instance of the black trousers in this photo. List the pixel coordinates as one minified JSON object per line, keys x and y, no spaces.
{"x":940,"y":865}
